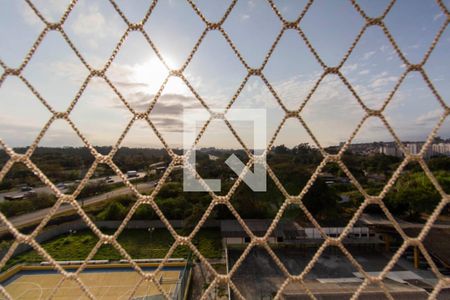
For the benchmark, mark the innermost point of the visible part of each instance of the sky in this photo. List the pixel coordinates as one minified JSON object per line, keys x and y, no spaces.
{"x":215,"y":72}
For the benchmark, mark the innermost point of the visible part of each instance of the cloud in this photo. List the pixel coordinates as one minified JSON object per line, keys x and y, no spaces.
{"x":8,"y":124}
{"x":380,"y":82}
{"x":52,"y":10}
{"x":166,"y":124}
{"x":167,"y":114}
{"x":93,"y":25}
{"x":89,"y":21}
{"x":244,"y":17}
{"x":415,"y":46}
{"x":129,"y":84}
{"x":70,"y":68}
{"x":438,"y":16}
{"x":350,"y":68}
{"x":332,"y":113}
{"x":383,"y":48}
{"x":368,"y":55}
{"x":19,"y":134}
{"x":429,"y":118}
{"x":28,"y":15}
{"x":382,"y":79}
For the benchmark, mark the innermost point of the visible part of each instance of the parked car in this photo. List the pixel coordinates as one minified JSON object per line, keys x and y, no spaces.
{"x":131,"y":174}
{"x":26,"y":188}
{"x":61,"y":186}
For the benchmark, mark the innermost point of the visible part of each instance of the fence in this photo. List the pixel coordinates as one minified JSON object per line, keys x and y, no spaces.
{"x":296,"y":25}
{"x":182,"y":287}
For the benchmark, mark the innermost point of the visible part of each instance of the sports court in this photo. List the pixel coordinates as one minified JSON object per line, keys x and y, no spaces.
{"x":102,"y":283}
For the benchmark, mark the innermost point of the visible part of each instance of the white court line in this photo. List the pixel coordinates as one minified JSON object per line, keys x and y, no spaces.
{"x":106,"y":292}
{"x":123,"y":295}
{"x":32,"y":283}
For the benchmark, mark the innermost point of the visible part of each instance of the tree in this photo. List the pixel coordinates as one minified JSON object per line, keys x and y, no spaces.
{"x":412,"y":195}
{"x":145,"y":212}
{"x":115,"y":211}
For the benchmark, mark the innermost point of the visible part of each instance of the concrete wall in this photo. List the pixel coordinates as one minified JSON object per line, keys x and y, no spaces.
{"x":313,"y":233}
{"x":234,"y":240}
{"x":241,"y":240}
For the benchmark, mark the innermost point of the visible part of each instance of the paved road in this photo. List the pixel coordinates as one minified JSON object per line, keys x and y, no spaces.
{"x":46,"y":189}
{"x":36,"y":216}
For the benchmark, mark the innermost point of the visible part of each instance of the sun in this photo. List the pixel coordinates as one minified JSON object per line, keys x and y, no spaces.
{"x":150,"y":75}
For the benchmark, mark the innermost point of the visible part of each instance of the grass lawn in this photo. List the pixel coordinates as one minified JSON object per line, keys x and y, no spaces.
{"x":137,"y":242}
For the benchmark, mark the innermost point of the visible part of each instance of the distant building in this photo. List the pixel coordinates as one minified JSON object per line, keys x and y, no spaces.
{"x":289,"y":232}
{"x":414,"y":148}
{"x":364,"y":148}
{"x":233,"y":233}
{"x":391,"y":149}
{"x":441,"y":148}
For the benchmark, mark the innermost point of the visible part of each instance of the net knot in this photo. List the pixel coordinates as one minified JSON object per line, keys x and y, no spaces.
{"x":213,"y":26}
{"x":259,"y":159}
{"x":373,"y":200}
{"x":103,"y":159}
{"x":218,"y":115}
{"x":135,"y":26}
{"x":294,"y":199}
{"x":291,"y":114}
{"x":374,"y":112}
{"x":18,"y":157}
{"x":375,"y":21}
{"x":414,"y":67}
{"x":54,"y":26}
{"x":290,"y":25}
{"x":14,"y":72}
{"x":260,"y":241}
{"x":67,"y":198}
{"x":254,"y":72}
{"x":22,"y":238}
{"x":332,"y":70}
{"x":332,"y":241}
{"x":221,"y":200}
{"x":374,"y":279}
{"x":107,"y":239}
{"x":415,"y":157}
{"x":60,"y":115}
{"x":178,"y":159}
{"x":414,"y":242}
{"x":333,"y":158}
{"x":175,"y":73}
{"x":98,"y":73}
{"x":183,"y":240}
{"x":70,"y":276}
{"x":140,"y":115}
{"x":222,"y":278}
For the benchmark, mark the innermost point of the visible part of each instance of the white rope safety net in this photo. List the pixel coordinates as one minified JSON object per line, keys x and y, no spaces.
{"x":177,"y":159}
